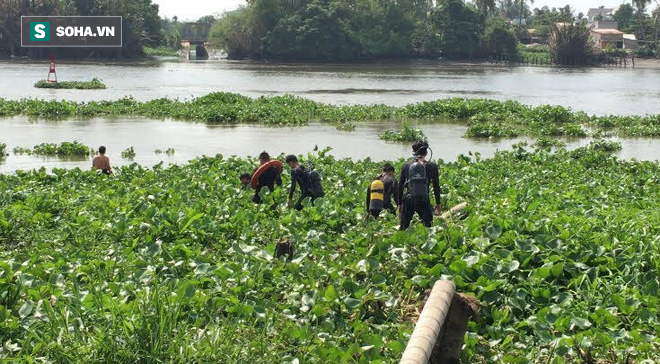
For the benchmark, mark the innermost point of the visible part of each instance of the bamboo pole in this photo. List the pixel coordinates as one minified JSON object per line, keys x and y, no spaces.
{"x":454,"y":210}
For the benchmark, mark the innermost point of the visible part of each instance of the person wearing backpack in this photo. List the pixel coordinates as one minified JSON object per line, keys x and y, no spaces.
{"x":379,"y":192}
{"x":309,"y":182}
{"x":413,"y":189}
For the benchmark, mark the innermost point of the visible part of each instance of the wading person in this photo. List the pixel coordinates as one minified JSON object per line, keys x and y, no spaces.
{"x":379,"y":192}
{"x":101,"y":162}
{"x":413,"y":189}
{"x":267,"y":175}
{"x":245,"y":180}
{"x":309,"y":182}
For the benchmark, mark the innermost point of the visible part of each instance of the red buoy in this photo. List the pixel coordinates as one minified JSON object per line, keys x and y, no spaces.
{"x":254,"y":182}
{"x":52,"y":74}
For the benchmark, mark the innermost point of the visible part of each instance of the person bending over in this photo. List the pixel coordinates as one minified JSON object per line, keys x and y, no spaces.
{"x":299,"y":176}
{"x":268,"y":179}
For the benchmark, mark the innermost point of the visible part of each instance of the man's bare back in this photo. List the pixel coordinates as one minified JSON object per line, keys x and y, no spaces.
{"x":103,"y":163}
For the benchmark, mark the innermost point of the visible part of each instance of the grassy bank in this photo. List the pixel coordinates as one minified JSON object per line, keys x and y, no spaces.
{"x":94,"y":84}
{"x":485,"y":118}
{"x":561,"y":249}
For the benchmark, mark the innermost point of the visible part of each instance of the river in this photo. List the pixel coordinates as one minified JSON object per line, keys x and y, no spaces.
{"x":595,"y":90}
{"x":191,"y":140}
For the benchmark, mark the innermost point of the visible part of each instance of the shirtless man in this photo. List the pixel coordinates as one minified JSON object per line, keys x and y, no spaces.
{"x":101,"y":162}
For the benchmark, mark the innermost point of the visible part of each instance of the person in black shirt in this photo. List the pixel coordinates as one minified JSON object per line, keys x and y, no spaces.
{"x":268,"y":179}
{"x":409,"y":203}
{"x":389,"y":183}
{"x":299,"y":176}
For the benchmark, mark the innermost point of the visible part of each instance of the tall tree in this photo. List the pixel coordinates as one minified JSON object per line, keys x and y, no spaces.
{"x":640,"y":17}
{"x":624,"y":15}
{"x":522,"y":8}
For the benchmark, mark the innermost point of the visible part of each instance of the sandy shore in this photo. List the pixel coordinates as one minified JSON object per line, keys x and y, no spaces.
{"x":647,"y":63}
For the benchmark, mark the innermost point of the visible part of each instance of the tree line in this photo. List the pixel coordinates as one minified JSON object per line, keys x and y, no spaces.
{"x":342,"y":30}
{"x":332,"y":30}
{"x":347,"y":30}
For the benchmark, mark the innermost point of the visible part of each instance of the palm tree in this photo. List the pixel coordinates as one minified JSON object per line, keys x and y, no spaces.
{"x":641,"y":8}
{"x":484,"y":5}
{"x":522,"y":8}
{"x":569,"y":44}
{"x":656,"y":22}
{"x":640,"y":4}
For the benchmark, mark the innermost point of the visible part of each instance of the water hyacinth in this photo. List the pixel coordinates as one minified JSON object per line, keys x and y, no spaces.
{"x":176,"y":264}
{"x":485,"y":118}
{"x":406,"y":133}
{"x":64,"y":149}
{"x":94,"y":84}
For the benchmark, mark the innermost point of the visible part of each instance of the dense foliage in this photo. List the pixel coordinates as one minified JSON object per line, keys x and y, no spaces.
{"x":176,"y":264}
{"x":141,"y":25}
{"x":357,"y":29}
{"x":570,"y":44}
{"x":94,"y":84}
{"x":485,"y":118}
{"x":500,"y":41}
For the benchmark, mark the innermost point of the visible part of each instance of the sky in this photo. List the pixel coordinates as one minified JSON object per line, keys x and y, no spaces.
{"x":195,"y":9}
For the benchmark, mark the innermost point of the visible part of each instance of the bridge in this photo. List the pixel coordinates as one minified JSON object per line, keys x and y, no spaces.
{"x":194,"y":39}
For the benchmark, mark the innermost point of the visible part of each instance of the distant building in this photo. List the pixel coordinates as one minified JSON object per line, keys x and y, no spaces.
{"x":606,"y":24}
{"x":604,"y":38}
{"x":630,"y":42}
{"x":601,"y":13}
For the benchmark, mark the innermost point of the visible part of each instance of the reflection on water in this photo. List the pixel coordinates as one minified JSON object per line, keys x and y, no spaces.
{"x":594,"y":90}
{"x":191,"y":140}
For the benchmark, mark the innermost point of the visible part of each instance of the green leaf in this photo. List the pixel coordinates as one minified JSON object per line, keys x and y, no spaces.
{"x":542,"y":272}
{"x":352,"y":303}
{"x":190,"y":221}
{"x":580,"y":322}
{"x":330,"y":293}
{"x":26,"y":309}
{"x":557,"y":269}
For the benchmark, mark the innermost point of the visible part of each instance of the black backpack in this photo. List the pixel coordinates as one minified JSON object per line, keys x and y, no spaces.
{"x":417,"y":181}
{"x":316,"y":186}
